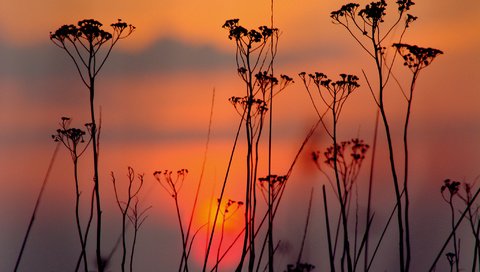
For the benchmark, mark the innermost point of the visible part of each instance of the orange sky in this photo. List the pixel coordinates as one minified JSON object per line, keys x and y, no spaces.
{"x":155,"y":101}
{"x":199,"y":22}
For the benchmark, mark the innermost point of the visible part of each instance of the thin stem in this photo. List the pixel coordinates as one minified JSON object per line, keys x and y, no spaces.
{"x":454,"y":228}
{"x":222,"y":193}
{"x":455,"y":247}
{"x":370,"y":186}
{"x":406,"y":164}
{"x":384,"y":231}
{"x":179,"y":217}
{"x":306,"y":228}
{"x":346,"y":242}
{"x":100,"y":263}
{"x":391,"y":156}
{"x":270,"y":217}
{"x":329,"y":236}
{"x":197,"y":192}
{"x":37,"y":205}
{"x":77,"y":213}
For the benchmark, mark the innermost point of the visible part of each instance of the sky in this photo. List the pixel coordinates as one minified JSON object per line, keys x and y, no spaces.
{"x":155,"y":94}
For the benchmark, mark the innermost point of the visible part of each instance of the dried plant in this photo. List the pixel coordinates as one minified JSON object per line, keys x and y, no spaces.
{"x":449,"y":189}
{"x":253,"y":65}
{"x":369,"y":29}
{"x":333,"y":95}
{"x":89,"y":46}
{"x":173,"y":186}
{"x":72,"y":139}
{"x":230,"y":207}
{"x":127,"y":212}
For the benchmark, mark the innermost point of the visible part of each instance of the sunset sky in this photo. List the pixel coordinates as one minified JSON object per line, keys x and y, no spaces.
{"x":155,"y":95}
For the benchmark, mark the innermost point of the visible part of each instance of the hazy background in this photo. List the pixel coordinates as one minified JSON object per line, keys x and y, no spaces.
{"x":155,"y":93}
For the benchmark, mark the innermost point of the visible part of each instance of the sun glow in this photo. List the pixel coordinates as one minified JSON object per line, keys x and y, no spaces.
{"x":228,"y":230}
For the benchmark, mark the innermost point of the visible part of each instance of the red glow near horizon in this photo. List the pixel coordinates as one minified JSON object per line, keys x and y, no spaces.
{"x":229,"y":234}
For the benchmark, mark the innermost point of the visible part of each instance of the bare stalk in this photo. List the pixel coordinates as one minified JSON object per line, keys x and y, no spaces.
{"x":82,"y":43}
{"x":37,"y":205}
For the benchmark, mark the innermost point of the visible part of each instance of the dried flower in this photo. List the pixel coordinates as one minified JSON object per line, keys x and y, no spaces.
{"x":374,"y":12}
{"x":70,"y":138}
{"x":238,"y":32}
{"x":273,"y":183}
{"x":170,"y":185}
{"x":404,"y":5}
{"x":415,"y":57}
{"x":346,"y":10}
{"x":451,"y":186}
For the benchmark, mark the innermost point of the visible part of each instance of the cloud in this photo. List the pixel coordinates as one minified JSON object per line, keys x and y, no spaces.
{"x":170,"y":55}
{"x":167,"y":55}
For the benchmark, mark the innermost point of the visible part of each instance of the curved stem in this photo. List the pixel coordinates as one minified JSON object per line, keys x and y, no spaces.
{"x":77,"y":214}
{"x":406,"y":163}
{"x":346,"y":242}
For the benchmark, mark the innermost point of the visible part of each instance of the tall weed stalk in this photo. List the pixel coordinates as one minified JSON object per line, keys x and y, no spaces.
{"x":333,"y":96}
{"x":253,"y":67}
{"x":368,"y":28}
{"x":72,"y":138}
{"x":128,"y":213}
{"x":89,"y":47}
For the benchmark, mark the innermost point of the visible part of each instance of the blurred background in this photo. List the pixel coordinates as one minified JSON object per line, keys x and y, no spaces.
{"x":155,"y":94}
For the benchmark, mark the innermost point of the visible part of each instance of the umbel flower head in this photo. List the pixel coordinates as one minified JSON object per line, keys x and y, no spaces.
{"x":404,"y":5}
{"x":71,"y":138}
{"x":449,"y":189}
{"x":171,"y":185}
{"x":91,"y":31}
{"x":346,"y":82}
{"x":230,"y":206}
{"x":83,"y":43}
{"x":346,"y":10}
{"x":374,"y":12}
{"x":238,"y":32}
{"x":451,"y":186}
{"x":416,"y":57}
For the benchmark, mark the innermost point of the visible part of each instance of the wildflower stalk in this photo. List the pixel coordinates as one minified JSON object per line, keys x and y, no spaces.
{"x":455,"y":246}
{"x":307,"y":223}
{"x":333,"y":95}
{"x":346,"y":242}
{"x":416,"y":58}
{"x":368,"y":22}
{"x":230,"y":208}
{"x":71,"y":138}
{"x":172,"y":187}
{"x":452,"y":187}
{"x":454,"y":229}
{"x":197,"y":192}
{"x":82,"y":43}
{"x":137,"y":218}
{"x":222,"y":192}
{"x":269,"y":202}
{"x":251,"y":61}
{"x":125,"y":207}
{"x":370,"y":186}
{"x":331,"y":257}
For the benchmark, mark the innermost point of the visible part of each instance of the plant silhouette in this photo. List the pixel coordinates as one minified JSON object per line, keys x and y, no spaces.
{"x":71,"y":138}
{"x":84,"y":43}
{"x":354,"y":230}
